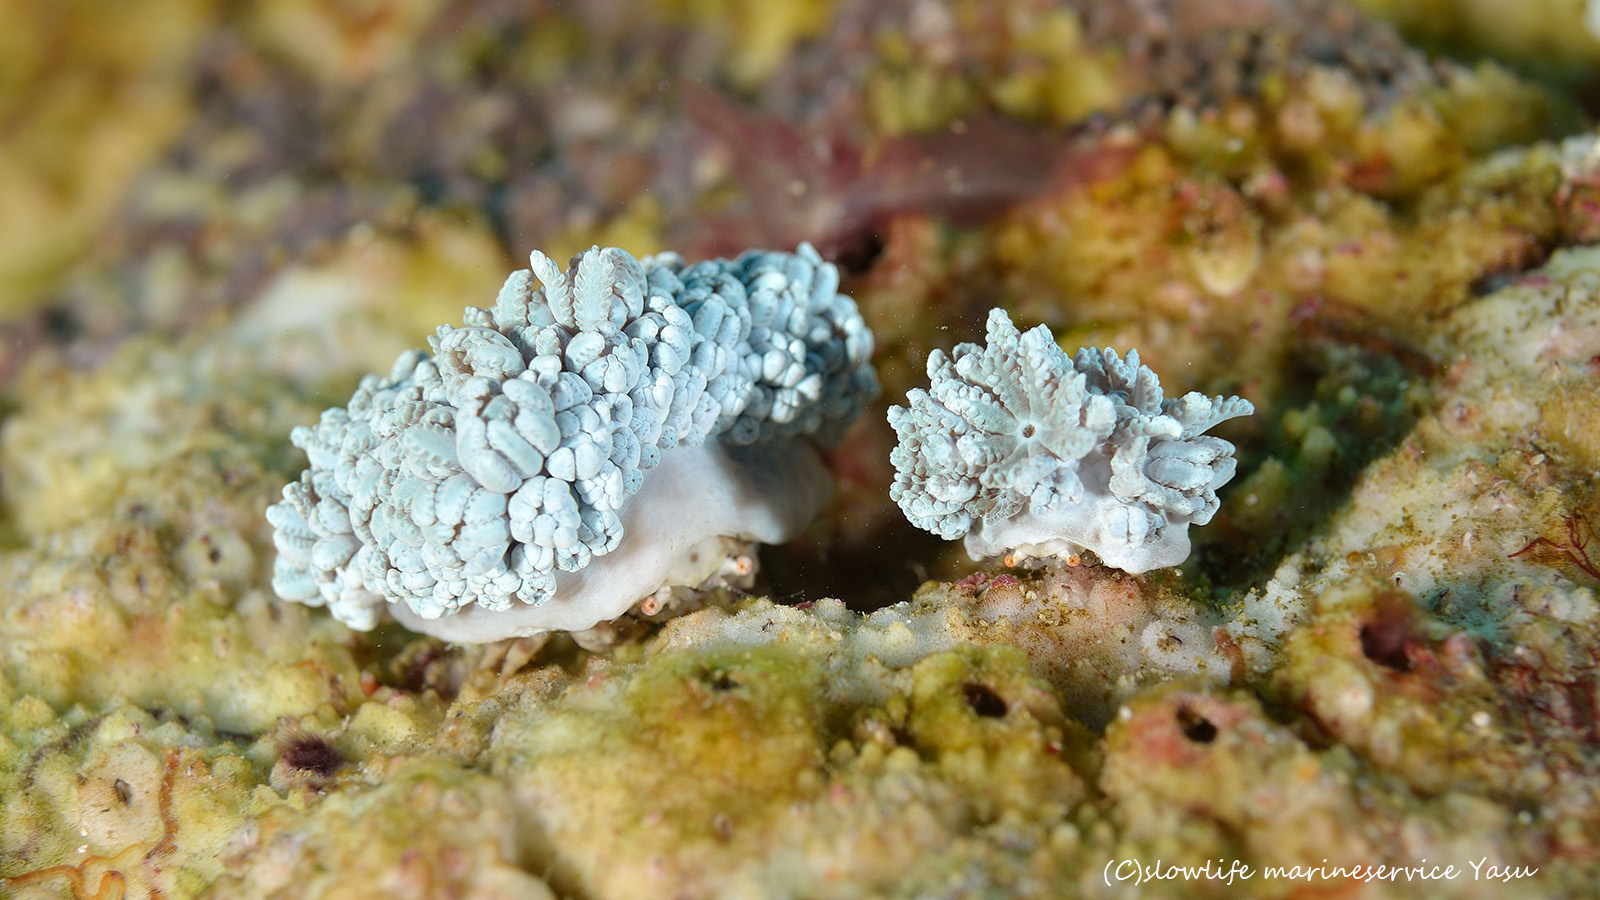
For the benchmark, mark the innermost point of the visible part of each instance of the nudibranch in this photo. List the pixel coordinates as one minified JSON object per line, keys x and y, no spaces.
{"x":593,"y":439}
{"x":1029,"y":453}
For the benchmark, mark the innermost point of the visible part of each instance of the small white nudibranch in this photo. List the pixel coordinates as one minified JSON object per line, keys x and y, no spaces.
{"x":579,"y":447}
{"x":1021,"y":449}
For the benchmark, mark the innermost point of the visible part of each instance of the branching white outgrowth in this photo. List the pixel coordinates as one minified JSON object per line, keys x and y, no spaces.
{"x":480,"y":475}
{"x":1022,"y":450}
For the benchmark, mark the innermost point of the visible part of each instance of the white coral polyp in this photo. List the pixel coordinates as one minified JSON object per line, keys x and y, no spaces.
{"x":1024,"y":451}
{"x":562,"y":456}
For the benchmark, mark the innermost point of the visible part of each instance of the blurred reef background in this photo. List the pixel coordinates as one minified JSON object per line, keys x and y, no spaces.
{"x":1368,"y":219}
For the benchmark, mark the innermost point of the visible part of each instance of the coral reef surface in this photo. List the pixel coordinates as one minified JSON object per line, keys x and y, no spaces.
{"x":1384,"y":649}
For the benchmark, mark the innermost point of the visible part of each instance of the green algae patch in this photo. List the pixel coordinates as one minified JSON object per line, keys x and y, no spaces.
{"x":791,"y":752}
{"x":740,"y":725}
{"x":154,"y":433}
{"x":1410,"y":694}
{"x":977,"y":698}
{"x":993,"y":727}
{"x":401,"y":722}
{"x":1320,"y":439}
{"x":95,"y":627}
{"x":1192,"y":775}
{"x":430,"y":828}
{"x":687,"y":751}
{"x":747,"y":721}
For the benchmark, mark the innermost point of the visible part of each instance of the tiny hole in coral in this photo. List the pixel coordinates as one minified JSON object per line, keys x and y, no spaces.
{"x":1196,"y":727}
{"x":719,"y":680}
{"x":1028,"y":430}
{"x":1385,"y":638}
{"x":60,"y":323}
{"x":124,"y":792}
{"x":984,"y":701}
{"x":858,"y":256}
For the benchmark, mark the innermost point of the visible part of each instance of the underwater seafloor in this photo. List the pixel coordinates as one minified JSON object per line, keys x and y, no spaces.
{"x":1368,"y":220}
